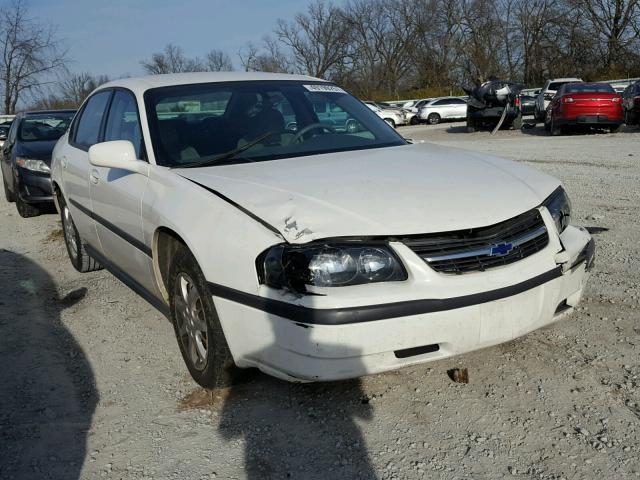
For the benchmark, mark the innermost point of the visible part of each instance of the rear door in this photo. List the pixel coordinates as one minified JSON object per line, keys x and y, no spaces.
{"x":74,"y":160}
{"x":458,"y":108}
{"x":116,"y":197}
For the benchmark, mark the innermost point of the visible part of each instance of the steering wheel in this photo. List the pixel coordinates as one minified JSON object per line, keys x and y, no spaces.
{"x":308,"y":128}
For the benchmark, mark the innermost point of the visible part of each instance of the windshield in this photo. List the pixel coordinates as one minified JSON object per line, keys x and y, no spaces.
{"x":586,"y":88}
{"x":44,"y":127}
{"x":218,"y":123}
{"x":555,"y":86}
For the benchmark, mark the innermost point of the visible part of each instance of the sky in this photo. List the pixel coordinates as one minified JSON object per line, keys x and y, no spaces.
{"x":111,"y":36}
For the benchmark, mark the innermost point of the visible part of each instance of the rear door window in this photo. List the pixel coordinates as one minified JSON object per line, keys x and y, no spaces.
{"x":87,"y":130}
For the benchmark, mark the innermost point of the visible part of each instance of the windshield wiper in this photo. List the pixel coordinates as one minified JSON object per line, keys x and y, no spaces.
{"x":227,"y":155}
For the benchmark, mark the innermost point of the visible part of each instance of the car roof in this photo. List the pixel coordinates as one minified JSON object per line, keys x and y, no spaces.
{"x":47,"y":112}
{"x":568,"y":79}
{"x":141,"y":84}
{"x":444,"y":98}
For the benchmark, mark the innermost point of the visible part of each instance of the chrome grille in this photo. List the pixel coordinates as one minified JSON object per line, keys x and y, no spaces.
{"x":479,"y":249}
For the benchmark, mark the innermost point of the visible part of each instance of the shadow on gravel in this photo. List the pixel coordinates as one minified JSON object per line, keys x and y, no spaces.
{"x":48,"y":396}
{"x":299,"y":431}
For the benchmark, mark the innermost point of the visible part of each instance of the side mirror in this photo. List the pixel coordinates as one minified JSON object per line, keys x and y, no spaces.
{"x":117,"y":154}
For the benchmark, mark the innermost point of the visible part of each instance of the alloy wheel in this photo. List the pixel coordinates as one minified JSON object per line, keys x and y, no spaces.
{"x":191,"y":321}
{"x":70,"y":233}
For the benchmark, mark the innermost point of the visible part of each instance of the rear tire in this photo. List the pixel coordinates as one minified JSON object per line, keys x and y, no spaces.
{"x":554,"y":129}
{"x":433,"y":119}
{"x":195,"y":321}
{"x":76,"y":247}
{"x":10,"y":196}
{"x":26,"y":210}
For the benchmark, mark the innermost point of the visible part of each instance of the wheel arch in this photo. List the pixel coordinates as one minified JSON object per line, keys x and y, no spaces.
{"x":165,"y":243}
{"x":57,"y":192}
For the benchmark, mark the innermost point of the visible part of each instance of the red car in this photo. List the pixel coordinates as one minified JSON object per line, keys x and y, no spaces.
{"x":586,"y":104}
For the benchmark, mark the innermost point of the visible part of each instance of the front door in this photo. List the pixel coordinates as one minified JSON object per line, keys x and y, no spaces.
{"x":116,"y":198}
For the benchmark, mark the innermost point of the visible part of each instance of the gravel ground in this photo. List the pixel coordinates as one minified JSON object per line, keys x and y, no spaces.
{"x":93,"y":385}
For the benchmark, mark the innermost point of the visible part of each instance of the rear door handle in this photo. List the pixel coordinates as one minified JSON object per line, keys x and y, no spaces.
{"x":94,"y":177}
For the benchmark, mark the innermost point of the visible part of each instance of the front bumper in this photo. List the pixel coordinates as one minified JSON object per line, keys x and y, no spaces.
{"x":304,"y":343}
{"x":33,"y":187}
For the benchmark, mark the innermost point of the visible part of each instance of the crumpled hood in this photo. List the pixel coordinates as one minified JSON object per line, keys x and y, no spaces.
{"x":394,"y":191}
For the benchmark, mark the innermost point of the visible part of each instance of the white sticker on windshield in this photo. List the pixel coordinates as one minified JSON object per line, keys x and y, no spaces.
{"x":324,"y":88}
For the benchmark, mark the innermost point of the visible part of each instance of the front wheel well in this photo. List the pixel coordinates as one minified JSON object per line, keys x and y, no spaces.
{"x":166,"y":243}
{"x":57,"y":193}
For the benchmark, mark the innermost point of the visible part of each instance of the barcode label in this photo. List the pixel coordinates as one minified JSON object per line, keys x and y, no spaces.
{"x":324,"y":88}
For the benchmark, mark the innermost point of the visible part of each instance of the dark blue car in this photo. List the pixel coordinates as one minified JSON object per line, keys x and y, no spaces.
{"x":26,"y":158}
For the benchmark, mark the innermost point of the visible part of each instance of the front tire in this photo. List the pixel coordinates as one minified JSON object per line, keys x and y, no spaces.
{"x":76,"y":248}
{"x":390,"y":122}
{"x":9,"y":196}
{"x":195,"y":321}
{"x":26,"y":210}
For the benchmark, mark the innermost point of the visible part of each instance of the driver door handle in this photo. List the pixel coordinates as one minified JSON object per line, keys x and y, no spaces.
{"x":63,"y":162}
{"x":94,"y":177}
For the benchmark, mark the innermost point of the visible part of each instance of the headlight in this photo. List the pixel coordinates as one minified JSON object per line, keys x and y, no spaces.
{"x":559,"y":207}
{"x":33,"y":165}
{"x":328,"y":265}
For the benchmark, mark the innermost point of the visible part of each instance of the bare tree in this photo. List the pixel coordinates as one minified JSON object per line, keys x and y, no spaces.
{"x":76,"y":87}
{"x":171,"y":60}
{"x":317,"y":39}
{"x":268,"y":59}
{"x":218,"y":61}
{"x":383,"y":36}
{"x":31,"y":54}
{"x":617,"y":23}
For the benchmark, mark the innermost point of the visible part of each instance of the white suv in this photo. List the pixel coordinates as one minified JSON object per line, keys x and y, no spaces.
{"x":446,"y":108}
{"x":313,"y":253}
{"x":547,"y":93}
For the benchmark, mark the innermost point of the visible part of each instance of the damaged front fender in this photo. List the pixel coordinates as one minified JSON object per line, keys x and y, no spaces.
{"x":578,"y":246}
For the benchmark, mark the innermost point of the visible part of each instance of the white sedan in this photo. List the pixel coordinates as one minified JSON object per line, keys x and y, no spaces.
{"x":311,"y":253}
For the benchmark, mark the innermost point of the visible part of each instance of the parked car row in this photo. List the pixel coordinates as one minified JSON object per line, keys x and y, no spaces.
{"x":26,"y":158}
{"x":273,"y":233}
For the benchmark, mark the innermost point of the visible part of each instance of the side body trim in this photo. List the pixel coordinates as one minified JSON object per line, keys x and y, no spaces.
{"x":368,"y":313}
{"x":130,"y":282}
{"x":116,"y":230}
